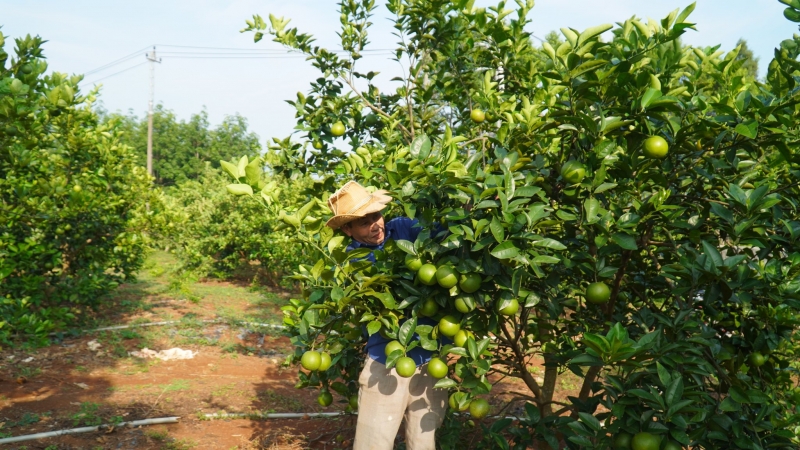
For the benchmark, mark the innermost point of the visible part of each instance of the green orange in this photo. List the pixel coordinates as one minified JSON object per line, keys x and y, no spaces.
{"x":324,"y":361}
{"x":429,"y":308}
{"x":508,"y":308}
{"x":598,"y":293}
{"x":655,"y":147}
{"x":479,"y":408}
{"x":645,"y":441}
{"x":311,"y":360}
{"x":405,"y":367}
{"x":437,"y":368}
{"x":413,"y":262}
{"x":449,"y":326}
{"x":446,"y":276}
{"x":392,"y":346}
{"x":573,"y":172}
{"x":338,"y":129}
{"x":427,"y":274}
{"x":469,"y":282}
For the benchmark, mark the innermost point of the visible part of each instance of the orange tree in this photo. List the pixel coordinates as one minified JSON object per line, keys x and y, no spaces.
{"x":629,"y":204}
{"x":72,"y":199}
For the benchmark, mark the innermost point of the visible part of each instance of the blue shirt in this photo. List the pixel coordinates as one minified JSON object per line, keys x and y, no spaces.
{"x":406,"y":229}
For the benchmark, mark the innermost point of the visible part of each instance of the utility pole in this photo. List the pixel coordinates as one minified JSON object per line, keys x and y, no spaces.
{"x":152,"y":58}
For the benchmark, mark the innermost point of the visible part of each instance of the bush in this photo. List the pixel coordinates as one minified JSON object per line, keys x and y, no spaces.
{"x":216,"y":234}
{"x":72,"y":200}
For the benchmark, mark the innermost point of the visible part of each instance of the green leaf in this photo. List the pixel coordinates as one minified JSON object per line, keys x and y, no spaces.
{"x":722,"y":212}
{"x":712,"y":253}
{"x":650,"y":95}
{"x":729,"y":405}
{"x":545,"y":259}
{"x":685,"y":14}
{"x":792,"y":14}
{"x":590,"y":420}
{"x":550,"y":243}
{"x":587,"y":67}
{"x":253,"y":172}
{"x":407,"y":331}
{"x":604,"y":187}
{"x":625,"y":241}
{"x":506,"y":250}
{"x":240,"y":189}
{"x":748,"y":129}
{"x":230,"y":168}
{"x":373,"y":327}
{"x":674,"y":391}
{"x":592,"y":32}
{"x":406,"y":246}
{"x":420,"y":147}
{"x":445,"y":383}
{"x":592,"y":207}
{"x":497,"y":230}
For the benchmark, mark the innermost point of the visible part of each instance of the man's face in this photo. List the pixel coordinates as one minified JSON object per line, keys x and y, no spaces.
{"x":367,"y":230}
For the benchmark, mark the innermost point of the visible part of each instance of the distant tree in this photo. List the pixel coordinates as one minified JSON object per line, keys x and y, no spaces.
{"x":749,"y":60}
{"x":182,"y":149}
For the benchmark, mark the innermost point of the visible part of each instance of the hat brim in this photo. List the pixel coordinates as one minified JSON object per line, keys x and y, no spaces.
{"x":378,"y":203}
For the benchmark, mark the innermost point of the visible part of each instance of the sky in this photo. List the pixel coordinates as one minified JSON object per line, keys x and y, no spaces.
{"x":86,"y":35}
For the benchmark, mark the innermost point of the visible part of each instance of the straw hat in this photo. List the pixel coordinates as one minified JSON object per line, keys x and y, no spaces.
{"x":353,"y":202}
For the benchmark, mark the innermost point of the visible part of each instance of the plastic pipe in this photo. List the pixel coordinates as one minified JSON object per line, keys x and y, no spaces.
{"x":273,"y":415}
{"x":49,"y":434}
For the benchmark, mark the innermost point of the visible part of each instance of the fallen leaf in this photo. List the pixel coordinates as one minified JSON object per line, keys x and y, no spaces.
{"x":82,"y":385}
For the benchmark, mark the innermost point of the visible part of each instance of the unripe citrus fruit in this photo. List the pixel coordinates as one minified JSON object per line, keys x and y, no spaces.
{"x":405,"y":366}
{"x":573,"y":172}
{"x":453,"y":402}
{"x":437,"y":368}
{"x":449,"y":326}
{"x":427,"y":274}
{"x":598,"y":293}
{"x":509,"y":309}
{"x":622,"y":441}
{"x":337,"y":129}
{"x":325,"y":398}
{"x":477,"y":115}
{"x":672,"y":445}
{"x":429,"y":308}
{"x":460,"y":339}
{"x":324,"y":361}
{"x":656,"y":147}
{"x":757,"y":359}
{"x":392,"y":346}
{"x":353,"y":401}
{"x":413,"y":262}
{"x":77,"y":188}
{"x":469,"y":282}
{"x":479,"y":408}
{"x":311,"y":360}
{"x":645,"y":441}
{"x":446,"y":276}
{"x":464,"y":304}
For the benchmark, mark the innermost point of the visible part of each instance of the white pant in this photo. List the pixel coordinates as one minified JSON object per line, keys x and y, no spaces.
{"x":385,"y":398}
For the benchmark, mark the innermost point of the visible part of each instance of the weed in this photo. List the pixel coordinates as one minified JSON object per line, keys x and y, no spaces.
{"x":177,"y":385}
{"x":28,"y":372}
{"x":157,"y":435}
{"x":279,"y":401}
{"x":81,"y":369}
{"x":129,"y":334}
{"x":87,"y":415}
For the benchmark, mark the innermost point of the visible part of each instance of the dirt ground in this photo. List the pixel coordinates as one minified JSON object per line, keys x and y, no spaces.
{"x":91,"y":379}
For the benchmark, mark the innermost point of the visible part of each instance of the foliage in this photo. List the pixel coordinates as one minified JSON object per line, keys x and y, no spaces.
{"x":700,"y":248}
{"x":215,"y":234}
{"x":182,"y":149}
{"x":72,"y":199}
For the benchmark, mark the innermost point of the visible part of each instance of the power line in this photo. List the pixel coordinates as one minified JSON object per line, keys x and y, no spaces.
{"x":116,"y":73}
{"x":265,"y":50}
{"x":113,"y":63}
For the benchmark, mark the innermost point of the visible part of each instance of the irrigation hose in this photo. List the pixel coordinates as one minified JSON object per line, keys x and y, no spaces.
{"x":49,"y":434}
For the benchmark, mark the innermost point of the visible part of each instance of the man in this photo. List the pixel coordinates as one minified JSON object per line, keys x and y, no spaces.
{"x":384,"y":398}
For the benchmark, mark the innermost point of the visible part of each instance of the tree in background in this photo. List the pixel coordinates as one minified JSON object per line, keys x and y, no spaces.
{"x":181,"y":149}
{"x":72,"y":199}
